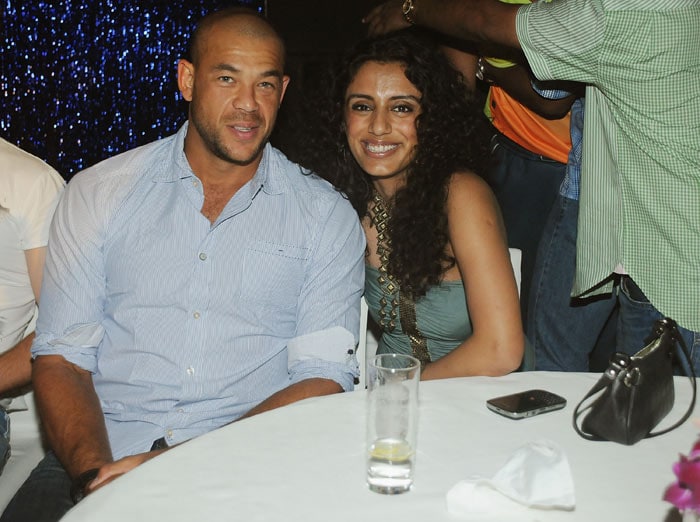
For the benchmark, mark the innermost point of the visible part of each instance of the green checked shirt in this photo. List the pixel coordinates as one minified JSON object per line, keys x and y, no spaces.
{"x":640,"y":183}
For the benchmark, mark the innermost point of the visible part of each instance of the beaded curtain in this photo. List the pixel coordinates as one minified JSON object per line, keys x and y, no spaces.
{"x":82,"y":81}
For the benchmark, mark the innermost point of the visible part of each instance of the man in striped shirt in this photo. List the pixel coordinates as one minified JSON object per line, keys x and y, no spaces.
{"x":190,"y":282}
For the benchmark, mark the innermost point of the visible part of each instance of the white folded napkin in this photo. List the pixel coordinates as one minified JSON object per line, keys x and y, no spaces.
{"x":536,"y":476}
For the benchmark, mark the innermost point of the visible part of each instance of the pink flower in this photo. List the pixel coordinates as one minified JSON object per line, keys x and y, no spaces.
{"x":685,"y":492}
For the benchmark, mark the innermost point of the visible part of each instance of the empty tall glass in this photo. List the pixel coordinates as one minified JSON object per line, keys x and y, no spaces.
{"x":392,"y":422}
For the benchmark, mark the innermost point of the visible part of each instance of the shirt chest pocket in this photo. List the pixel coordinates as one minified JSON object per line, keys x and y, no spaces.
{"x":273,"y":274}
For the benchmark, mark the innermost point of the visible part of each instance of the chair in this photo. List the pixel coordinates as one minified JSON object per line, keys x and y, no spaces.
{"x":516,"y":257}
{"x":367,"y":345}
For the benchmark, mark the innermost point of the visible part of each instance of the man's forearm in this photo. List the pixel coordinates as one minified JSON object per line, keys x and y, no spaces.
{"x":71,"y":414}
{"x":484,"y":21}
{"x":16,"y":366}
{"x":516,"y":81}
{"x":481,"y":21}
{"x":296,"y":392}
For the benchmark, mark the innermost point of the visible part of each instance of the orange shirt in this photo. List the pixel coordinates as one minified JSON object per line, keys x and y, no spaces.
{"x":549,"y":138}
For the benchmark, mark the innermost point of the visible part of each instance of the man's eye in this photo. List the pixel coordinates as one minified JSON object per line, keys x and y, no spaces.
{"x":267,"y":85}
{"x":225,"y":79}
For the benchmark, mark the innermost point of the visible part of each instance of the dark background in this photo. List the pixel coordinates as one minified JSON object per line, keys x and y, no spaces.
{"x":82,"y":81}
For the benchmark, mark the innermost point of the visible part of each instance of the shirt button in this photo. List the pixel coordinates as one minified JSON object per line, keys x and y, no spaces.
{"x":195,"y":182}
{"x":180,"y":410}
{"x":196,"y":315}
{"x":190,"y":371}
{"x":202,"y":256}
{"x":170,"y":434}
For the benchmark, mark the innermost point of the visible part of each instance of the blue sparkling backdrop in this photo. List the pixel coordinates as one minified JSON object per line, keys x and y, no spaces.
{"x":81,"y":81}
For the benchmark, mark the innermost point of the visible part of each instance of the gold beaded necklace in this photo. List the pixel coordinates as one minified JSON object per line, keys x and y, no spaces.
{"x":379,"y":217}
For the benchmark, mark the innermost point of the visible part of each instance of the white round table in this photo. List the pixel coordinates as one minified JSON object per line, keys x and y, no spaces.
{"x":306,"y":462}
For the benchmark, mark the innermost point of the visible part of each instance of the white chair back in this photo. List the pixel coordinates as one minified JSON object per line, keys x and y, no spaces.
{"x":516,"y":257}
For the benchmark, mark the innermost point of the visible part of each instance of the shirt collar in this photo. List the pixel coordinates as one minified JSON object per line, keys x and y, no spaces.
{"x":267,"y":177}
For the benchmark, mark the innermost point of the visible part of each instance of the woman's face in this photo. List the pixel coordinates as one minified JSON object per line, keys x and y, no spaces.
{"x":381,"y":106}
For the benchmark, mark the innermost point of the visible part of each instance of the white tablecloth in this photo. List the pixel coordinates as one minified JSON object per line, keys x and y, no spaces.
{"x":306,"y":462}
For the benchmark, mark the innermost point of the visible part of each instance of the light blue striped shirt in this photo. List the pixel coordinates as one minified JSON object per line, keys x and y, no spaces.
{"x":187,"y":325}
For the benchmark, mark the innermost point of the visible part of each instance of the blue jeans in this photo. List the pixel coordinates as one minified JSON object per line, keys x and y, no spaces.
{"x":563,"y":330}
{"x":525,"y":185}
{"x":44,"y":496}
{"x":637,"y":316}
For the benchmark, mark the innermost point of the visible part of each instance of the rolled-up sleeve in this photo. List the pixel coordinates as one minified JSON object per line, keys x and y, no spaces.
{"x":73,"y":288}
{"x":329,"y":309}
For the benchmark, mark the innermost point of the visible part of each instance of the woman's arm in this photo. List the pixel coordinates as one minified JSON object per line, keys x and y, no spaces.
{"x":478,"y":241}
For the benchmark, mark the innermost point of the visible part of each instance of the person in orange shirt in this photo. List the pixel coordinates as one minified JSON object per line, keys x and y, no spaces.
{"x":530,"y":149}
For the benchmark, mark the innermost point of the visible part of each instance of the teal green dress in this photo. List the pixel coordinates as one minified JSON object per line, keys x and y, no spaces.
{"x":441,"y":316}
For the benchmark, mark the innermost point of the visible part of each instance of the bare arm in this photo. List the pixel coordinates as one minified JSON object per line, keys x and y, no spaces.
{"x":481,"y":21}
{"x":296,"y":392}
{"x":15,"y":364}
{"x":516,"y":81}
{"x":71,"y":414}
{"x":293,"y":393}
{"x":478,"y":242}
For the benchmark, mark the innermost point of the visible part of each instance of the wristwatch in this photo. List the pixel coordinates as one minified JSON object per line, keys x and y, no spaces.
{"x":481,"y":71}
{"x":409,"y":11}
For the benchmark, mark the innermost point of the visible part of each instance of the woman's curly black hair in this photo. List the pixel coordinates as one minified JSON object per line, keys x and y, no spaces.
{"x":450,"y":136}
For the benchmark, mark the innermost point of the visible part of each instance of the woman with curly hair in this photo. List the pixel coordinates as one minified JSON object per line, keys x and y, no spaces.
{"x":400,"y":138}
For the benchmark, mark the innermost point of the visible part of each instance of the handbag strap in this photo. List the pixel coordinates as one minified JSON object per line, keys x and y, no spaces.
{"x":619,"y":364}
{"x":605,"y":380}
{"x":691,"y":375}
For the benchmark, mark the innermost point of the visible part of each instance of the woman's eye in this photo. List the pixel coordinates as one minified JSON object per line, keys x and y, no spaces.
{"x":361,"y":107}
{"x":403,"y":108}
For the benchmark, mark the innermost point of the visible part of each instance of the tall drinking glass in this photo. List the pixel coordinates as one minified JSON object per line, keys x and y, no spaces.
{"x":392,"y":422}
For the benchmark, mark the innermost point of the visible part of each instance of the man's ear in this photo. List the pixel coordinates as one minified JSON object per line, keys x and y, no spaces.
{"x":285,"y":83}
{"x":185,"y":78}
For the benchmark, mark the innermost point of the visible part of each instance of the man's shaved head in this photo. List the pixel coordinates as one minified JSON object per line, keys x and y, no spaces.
{"x":243,"y":20}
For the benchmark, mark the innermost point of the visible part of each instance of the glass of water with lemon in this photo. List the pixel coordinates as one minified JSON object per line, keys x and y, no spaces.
{"x":392,"y":422}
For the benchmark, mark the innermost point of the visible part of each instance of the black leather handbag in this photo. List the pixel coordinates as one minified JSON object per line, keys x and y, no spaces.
{"x":635,"y":392}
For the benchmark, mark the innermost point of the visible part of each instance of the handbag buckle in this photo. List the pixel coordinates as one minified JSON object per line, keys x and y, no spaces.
{"x":632,"y":377}
{"x":618,"y":363}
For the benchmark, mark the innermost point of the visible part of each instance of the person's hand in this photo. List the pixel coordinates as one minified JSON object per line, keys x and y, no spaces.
{"x":385,"y":18}
{"x":111,"y":471}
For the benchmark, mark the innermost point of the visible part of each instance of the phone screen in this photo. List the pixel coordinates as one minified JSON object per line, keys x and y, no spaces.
{"x":526,"y":404}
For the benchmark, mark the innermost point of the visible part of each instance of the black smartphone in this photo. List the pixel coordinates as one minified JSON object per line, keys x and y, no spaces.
{"x":526,"y":404}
